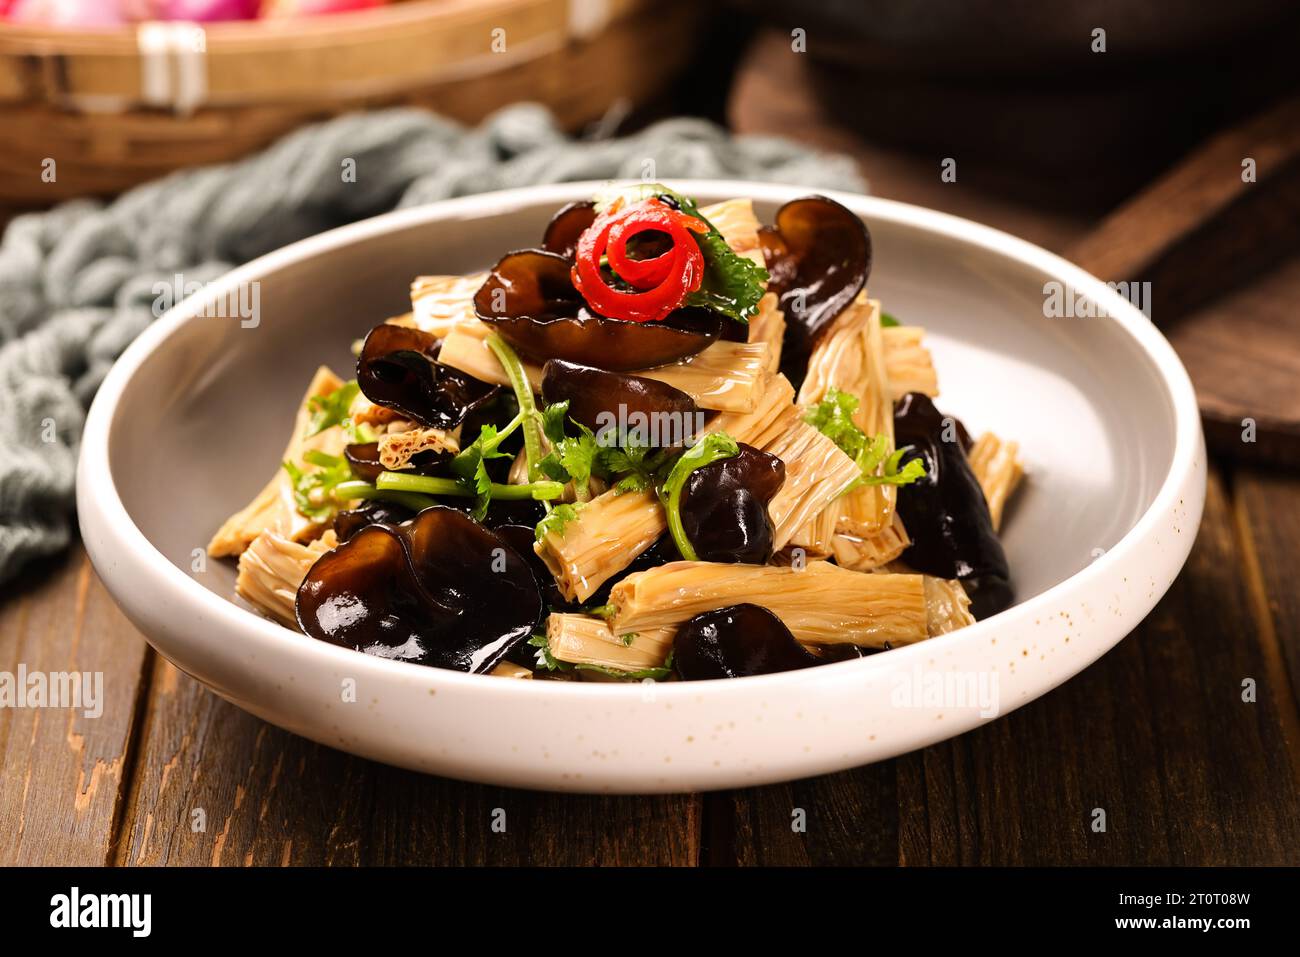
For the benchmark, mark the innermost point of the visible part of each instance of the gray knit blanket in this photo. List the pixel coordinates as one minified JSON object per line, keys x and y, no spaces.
{"x":77,"y":282}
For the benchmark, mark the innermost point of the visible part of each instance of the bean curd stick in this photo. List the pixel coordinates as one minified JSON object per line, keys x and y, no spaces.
{"x":609,"y":532}
{"x":440,"y":303}
{"x":612,"y":529}
{"x":585,"y":640}
{"x":998,"y":469}
{"x":908,"y":363}
{"x":275,"y":509}
{"x":735,"y":219}
{"x":820,"y":603}
{"x":768,"y":325}
{"x":396,"y":449}
{"x":852,"y":359}
{"x":508,"y":669}
{"x":816,"y":473}
{"x":873,"y":551}
{"x":816,"y":536}
{"x":772,"y":416}
{"x":947,"y":607}
{"x":364,"y":412}
{"x":272,"y":568}
{"x":727,"y":376}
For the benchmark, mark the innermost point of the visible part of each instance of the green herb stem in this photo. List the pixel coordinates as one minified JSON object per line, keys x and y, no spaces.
{"x":432,"y":485}
{"x":528,"y":413}
{"x":350,"y":491}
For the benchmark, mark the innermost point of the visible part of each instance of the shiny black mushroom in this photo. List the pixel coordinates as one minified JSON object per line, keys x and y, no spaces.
{"x":738,"y":641}
{"x":397,"y":368}
{"x":529,"y":298}
{"x":724,"y":507}
{"x":818,"y":254}
{"x":363,"y":457}
{"x":622,"y":408}
{"x":439,"y":590}
{"x":945,"y":512}
{"x":521,"y":539}
{"x":350,"y":521}
{"x":567,"y":226}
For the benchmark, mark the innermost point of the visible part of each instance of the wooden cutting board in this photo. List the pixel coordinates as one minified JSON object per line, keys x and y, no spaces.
{"x":1222,"y":254}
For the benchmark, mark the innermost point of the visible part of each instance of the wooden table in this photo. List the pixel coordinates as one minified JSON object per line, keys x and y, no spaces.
{"x":1156,"y":733}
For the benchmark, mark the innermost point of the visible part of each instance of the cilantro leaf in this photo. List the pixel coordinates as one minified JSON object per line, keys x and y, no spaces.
{"x":833,"y":417}
{"x":330,"y":410}
{"x":654,"y":674}
{"x":557,"y":520}
{"x":470,"y":465}
{"x":544,"y":657}
{"x":313,"y":489}
{"x":892,"y":475}
{"x":632,"y":482}
{"x":578,"y":456}
{"x":630,"y":466}
{"x":886,"y":320}
{"x":571,"y":459}
{"x":553,"y":417}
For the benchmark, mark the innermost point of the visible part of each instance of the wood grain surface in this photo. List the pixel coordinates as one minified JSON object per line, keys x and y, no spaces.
{"x":1222,"y":255}
{"x":1157,"y":734}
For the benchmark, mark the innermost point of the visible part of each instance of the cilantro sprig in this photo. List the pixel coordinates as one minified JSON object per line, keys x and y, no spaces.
{"x":470,"y":464}
{"x":313,"y":489}
{"x":530,"y":418}
{"x":326,"y":411}
{"x":572,"y":458}
{"x":557,"y":520}
{"x":833,"y":417}
{"x":633,"y":468}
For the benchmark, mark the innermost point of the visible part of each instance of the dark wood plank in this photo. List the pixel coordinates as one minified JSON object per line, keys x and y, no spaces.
{"x":848,"y":818}
{"x":1268,"y":515}
{"x":1156,"y":734}
{"x":1242,"y":347}
{"x":774,"y":94}
{"x":1243,"y":354}
{"x":1200,"y":230}
{"x":269,"y":797}
{"x":65,"y":771}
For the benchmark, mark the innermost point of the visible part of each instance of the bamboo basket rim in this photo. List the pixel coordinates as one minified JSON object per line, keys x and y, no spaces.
{"x":379,"y":50}
{"x":239,"y":36}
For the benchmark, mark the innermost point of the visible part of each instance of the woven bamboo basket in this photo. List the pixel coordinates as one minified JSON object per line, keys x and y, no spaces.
{"x":116,"y":108}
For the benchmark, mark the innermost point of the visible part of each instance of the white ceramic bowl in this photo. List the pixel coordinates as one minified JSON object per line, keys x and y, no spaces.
{"x":190,"y":423}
